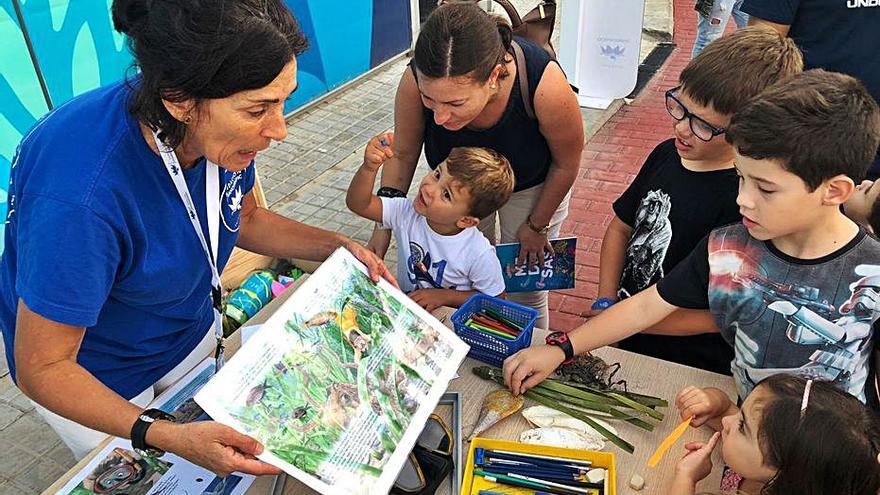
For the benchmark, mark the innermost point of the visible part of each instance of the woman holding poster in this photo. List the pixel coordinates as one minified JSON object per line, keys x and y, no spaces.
{"x":127,"y":202}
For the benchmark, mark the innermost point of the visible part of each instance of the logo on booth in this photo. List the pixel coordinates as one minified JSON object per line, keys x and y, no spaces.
{"x":612,"y":52}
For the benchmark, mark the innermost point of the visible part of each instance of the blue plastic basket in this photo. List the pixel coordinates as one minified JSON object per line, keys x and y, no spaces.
{"x":486,"y":347}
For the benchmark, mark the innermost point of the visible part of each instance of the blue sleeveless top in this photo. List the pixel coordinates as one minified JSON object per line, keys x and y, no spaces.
{"x":515,"y":135}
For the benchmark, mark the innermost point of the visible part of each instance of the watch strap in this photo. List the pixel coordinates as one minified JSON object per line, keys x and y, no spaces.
{"x":603,"y":303}
{"x":142,"y":424}
{"x":561,"y":340}
{"x":390,"y":192}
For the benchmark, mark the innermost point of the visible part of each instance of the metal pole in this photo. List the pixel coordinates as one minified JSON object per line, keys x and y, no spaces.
{"x":32,"y":53}
{"x":415,"y":21}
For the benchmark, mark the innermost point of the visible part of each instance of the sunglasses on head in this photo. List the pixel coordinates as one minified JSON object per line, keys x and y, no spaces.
{"x":699,"y":127}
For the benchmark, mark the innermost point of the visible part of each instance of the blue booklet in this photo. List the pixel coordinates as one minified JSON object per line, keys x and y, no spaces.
{"x":557,"y":271}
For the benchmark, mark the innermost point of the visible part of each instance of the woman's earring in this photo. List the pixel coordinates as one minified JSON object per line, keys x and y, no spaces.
{"x":188,"y":119}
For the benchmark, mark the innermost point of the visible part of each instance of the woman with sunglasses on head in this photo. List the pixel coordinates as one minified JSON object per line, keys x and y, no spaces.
{"x":462,"y":88}
{"x":126,"y":204}
{"x":688,"y":186}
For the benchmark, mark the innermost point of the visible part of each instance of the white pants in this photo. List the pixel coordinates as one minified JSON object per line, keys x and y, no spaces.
{"x":511,"y":216}
{"x":82,"y":440}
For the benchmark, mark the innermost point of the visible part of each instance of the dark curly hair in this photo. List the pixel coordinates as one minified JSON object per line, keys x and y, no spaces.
{"x":202,"y":49}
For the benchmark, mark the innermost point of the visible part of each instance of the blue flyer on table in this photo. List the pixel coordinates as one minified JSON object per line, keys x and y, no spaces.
{"x":557,"y":271}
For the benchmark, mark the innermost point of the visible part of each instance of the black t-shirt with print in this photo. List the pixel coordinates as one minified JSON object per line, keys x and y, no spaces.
{"x":670,"y":208}
{"x":782,"y":314}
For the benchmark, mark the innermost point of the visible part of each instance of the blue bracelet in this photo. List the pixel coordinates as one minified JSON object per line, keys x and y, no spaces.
{"x":602,"y":303}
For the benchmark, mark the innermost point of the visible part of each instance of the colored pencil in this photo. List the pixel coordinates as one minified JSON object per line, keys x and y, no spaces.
{"x":541,"y":457}
{"x":554,"y":484}
{"x":494,"y":324}
{"x":506,"y":480}
{"x":501,"y":318}
{"x":474,"y":326}
{"x":493,"y":457}
{"x":566,"y":479}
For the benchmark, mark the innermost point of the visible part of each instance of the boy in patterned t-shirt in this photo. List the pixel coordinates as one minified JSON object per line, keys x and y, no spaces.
{"x":794,"y":288}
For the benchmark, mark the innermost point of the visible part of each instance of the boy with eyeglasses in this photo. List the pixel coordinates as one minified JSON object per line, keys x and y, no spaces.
{"x":795,"y":287}
{"x":688,"y":186}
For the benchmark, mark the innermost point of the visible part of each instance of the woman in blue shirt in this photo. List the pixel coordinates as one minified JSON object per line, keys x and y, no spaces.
{"x":116,"y":238}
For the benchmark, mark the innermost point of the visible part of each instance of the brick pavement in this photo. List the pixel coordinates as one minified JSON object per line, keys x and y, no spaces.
{"x":611,"y":159}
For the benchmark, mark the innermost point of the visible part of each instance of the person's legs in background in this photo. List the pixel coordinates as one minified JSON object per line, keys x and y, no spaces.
{"x":711,"y":27}
{"x":739,"y":17}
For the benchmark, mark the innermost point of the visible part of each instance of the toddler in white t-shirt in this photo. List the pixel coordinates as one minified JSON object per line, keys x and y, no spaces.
{"x":443,"y":259}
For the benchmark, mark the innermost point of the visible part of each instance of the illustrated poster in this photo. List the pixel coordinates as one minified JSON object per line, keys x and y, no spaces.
{"x":339,"y":382}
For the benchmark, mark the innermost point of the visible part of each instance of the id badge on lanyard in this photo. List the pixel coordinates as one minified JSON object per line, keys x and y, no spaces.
{"x":212,"y":202}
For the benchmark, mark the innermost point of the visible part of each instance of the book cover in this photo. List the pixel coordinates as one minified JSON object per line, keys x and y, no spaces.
{"x":556,"y":272}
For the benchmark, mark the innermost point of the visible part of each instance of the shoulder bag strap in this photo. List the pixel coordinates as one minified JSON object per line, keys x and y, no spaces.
{"x":522,"y":74}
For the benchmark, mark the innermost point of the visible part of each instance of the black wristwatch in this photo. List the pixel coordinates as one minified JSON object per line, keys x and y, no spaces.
{"x":560,"y":339}
{"x":139,"y":432}
{"x":390,"y":192}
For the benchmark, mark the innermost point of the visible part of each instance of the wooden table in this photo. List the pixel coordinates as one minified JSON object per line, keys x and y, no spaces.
{"x":643,"y":375}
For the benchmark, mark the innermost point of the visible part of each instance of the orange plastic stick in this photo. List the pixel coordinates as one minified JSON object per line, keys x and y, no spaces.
{"x":668,"y":442}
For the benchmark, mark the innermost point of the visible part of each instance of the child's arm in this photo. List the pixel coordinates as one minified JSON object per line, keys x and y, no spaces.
{"x":611,"y":260}
{"x":694,"y":466}
{"x":685,"y":322}
{"x":530,"y":366}
{"x":484,"y":274}
{"x":612,"y":257}
{"x":706,"y":405}
{"x":360,"y":198}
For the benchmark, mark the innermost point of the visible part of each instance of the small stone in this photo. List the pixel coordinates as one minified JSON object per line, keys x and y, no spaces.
{"x":636,"y":482}
{"x":596,"y":475}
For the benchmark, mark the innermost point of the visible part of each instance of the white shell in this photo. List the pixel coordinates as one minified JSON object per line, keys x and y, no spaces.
{"x":543,"y":416}
{"x":562,"y":437}
{"x":596,"y":475}
{"x":637,"y":482}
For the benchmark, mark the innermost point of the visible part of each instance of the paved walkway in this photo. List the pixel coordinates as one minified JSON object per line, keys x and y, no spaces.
{"x":306,"y":177}
{"x":612,"y":158}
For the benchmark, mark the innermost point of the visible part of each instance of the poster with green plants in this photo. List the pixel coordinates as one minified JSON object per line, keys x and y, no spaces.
{"x":339,"y":382}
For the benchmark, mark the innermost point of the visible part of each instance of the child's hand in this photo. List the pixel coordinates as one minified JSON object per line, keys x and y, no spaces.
{"x":702,"y":404}
{"x":378,"y":150}
{"x":430,"y":299}
{"x":697,"y":463}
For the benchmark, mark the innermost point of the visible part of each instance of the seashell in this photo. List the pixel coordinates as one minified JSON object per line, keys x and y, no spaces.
{"x":497,"y":405}
{"x":597,"y":475}
{"x":555,"y":436}
{"x":543,"y":416}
